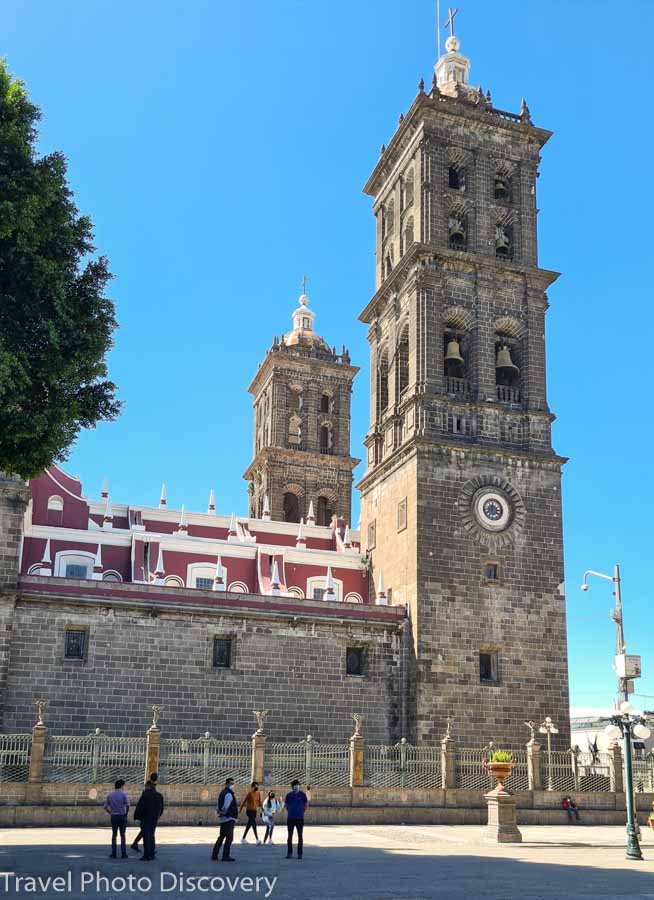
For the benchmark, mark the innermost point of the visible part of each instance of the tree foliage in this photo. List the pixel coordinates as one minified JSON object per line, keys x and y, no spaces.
{"x":56,"y":325}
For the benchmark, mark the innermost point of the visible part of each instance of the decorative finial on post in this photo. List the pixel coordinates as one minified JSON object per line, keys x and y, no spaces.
{"x":421,"y":86}
{"x":448,"y":729}
{"x":41,"y":706}
{"x":358,"y":719}
{"x":260,"y":715}
{"x":156,"y":712}
{"x":525,"y":115}
{"x":531,"y":725}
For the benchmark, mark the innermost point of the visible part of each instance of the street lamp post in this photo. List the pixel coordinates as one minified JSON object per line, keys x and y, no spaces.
{"x":625,"y":724}
{"x":622,"y":722}
{"x":549,"y":728}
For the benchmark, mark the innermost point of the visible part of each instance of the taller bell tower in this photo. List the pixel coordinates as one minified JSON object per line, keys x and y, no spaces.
{"x":461,"y":499}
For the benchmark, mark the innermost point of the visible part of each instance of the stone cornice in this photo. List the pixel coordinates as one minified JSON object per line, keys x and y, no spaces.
{"x":282,"y":360}
{"x":299,"y":457}
{"x":482,"y":265}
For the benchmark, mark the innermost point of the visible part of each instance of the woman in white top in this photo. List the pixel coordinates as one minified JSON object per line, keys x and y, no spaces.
{"x":270,"y":807}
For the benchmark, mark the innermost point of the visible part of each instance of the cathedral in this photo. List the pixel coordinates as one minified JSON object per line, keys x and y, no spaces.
{"x":446,"y":604}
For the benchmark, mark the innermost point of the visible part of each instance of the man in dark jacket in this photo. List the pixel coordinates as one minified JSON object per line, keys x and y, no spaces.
{"x":227,"y":809}
{"x":148,"y":811}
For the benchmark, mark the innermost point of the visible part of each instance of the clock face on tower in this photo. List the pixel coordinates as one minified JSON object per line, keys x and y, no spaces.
{"x":492,"y":510}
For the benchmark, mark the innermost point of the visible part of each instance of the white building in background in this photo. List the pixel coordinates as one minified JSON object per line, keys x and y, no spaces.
{"x":587,"y":729}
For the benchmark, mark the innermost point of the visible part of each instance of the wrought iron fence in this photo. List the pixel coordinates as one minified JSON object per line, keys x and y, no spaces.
{"x":518,"y":780}
{"x":402,"y":765}
{"x":93,"y":759}
{"x":643,"y":773}
{"x":470,"y":772}
{"x":204,"y":761}
{"x":559,"y":772}
{"x":15,"y":757}
{"x":593,"y":771}
{"x":310,"y":761}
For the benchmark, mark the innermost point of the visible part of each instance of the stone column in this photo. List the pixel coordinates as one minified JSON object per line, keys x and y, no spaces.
{"x":39,"y":733}
{"x":502,"y":820}
{"x":448,"y":761}
{"x":259,"y":746}
{"x":533,"y":766}
{"x":153,"y":745}
{"x":615,"y":768}
{"x":356,"y":754}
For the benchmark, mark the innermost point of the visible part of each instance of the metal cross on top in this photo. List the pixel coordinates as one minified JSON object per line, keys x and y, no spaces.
{"x":304,"y":284}
{"x":450,"y":19}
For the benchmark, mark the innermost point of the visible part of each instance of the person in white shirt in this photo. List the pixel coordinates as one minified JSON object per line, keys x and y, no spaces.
{"x":270,"y":806}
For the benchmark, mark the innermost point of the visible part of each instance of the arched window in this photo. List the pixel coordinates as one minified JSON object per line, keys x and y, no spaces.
{"x":408,"y":233}
{"x":325,"y":403}
{"x":389,"y":264}
{"x":507,"y":367}
{"x":408,"y":189}
{"x":382,"y":384}
{"x":295,"y":400}
{"x":502,"y":186}
{"x":294,"y":431}
{"x":403,"y":362}
{"x":503,"y":241}
{"x":326,"y":439}
{"x":457,"y":231}
{"x":456,"y":178}
{"x":390,"y":218}
{"x":55,"y":510}
{"x":291,"y":507}
{"x":324,"y":512}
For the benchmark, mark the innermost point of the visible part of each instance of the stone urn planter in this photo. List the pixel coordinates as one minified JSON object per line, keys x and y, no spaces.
{"x":502,"y":818}
{"x":500,"y":771}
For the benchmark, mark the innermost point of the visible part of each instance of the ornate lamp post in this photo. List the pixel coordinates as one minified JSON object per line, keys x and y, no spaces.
{"x":549,"y":728}
{"x":624,"y":724}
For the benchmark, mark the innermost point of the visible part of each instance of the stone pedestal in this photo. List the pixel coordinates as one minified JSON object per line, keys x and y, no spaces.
{"x":153,"y":744}
{"x":258,"y":756}
{"x":502,"y":820}
{"x":356,"y":760}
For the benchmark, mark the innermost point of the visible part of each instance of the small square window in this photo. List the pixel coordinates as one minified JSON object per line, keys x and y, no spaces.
{"x":355,"y":661}
{"x":401,"y":515}
{"x":75,"y":643}
{"x":372,"y":534}
{"x":317,"y":593}
{"x":204,"y":584}
{"x":74,"y":570}
{"x":222,"y":653}
{"x":492,"y":571}
{"x":488,"y":668}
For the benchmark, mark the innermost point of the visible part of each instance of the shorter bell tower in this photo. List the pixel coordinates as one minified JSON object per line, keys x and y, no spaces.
{"x":301,"y":460}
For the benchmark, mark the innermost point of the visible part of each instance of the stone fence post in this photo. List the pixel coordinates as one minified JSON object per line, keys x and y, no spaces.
{"x":259,"y":746}
{"x":534,"y":773}
{"x":152,"y":745}
{"x":448,"y":761}
{"x":39,"y":733}
{"x":356,"y":753}
{"x":615,"y":768}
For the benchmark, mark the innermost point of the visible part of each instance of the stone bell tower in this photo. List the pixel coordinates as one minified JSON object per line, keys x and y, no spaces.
{"x":461,"y":499}
{"x":302,"y":464}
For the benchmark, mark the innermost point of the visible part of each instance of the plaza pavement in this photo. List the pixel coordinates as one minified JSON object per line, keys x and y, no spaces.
{"x":367,"y":862}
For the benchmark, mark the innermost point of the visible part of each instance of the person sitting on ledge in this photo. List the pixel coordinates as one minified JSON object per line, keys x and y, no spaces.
{"x":570,"y":807}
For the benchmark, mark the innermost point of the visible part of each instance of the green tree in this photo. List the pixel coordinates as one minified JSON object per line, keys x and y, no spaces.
{"x":56,"y":325}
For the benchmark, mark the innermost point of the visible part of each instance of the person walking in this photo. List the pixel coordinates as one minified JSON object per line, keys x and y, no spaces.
{"x":227,"y":809}
{"x":117,"y":805}
{"x":139,"y":837}
{"x":251,"y":803}
{"x":295,"y":803}
{"x":270,"y":806}
{"x":148,"y":811}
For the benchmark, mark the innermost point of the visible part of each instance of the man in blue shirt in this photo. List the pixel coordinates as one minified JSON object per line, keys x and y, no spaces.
{"x":295,"y":803}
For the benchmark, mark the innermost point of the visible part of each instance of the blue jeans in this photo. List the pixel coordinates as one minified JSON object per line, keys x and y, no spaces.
{"x":118,"y":823}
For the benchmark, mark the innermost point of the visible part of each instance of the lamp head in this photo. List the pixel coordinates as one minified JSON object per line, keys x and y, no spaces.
{"x":584,"y":586}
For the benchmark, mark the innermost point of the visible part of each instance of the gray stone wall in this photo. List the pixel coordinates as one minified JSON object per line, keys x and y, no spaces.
{"x":14,"y":497}
{"x":138,"y":658}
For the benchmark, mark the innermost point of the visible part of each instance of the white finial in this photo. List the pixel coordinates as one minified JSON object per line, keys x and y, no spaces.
{"x":329,"y":593}
{"x":311,"y":517}
{"x":382,"y":600}
{"x":274,"y":579}
{"x":346,"y":538}
{"x":300,"y":540}
{"x":159,"y":572}
{"x":162,"y":498}
{"x":232,"y":534}
{"x":211,"y":509}
{"x":97,"y":563}
{"x":182,"y":527}
{"x":105,"y":488}
{"x":46,"y":560}
{"x":219,"y":580}
{"x":108,"y":514}
{"x":265,"y":515}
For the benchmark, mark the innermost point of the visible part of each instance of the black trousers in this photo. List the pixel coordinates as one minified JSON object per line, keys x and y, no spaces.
{"x":118,"y":824}
{"x":148,"y":828}
{"x":225,"y":839}
{"x":252,"y":823}
{"x":299,"y":825}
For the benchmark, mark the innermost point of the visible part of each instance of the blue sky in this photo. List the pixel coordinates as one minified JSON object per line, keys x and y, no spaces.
{"x":221,"y":148}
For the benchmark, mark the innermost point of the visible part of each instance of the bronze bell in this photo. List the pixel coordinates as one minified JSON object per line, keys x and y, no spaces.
{"x":453,"y":353}
{"x":504,"y":361}
{"x":501,"y":187}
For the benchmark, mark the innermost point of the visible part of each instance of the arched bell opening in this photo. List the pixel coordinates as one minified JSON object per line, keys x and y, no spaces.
{"x":457,"y":231}
{"x":502,"y":186}
{"x":455,"y":354}
{"x":503,"y":241}
{"x":507,"y":368}
{"x":456,"y":177}
{"x":291,"y":507}
{"x":382,"y":384}
{"x":402,"y":362}
{"x":324,"y":511}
